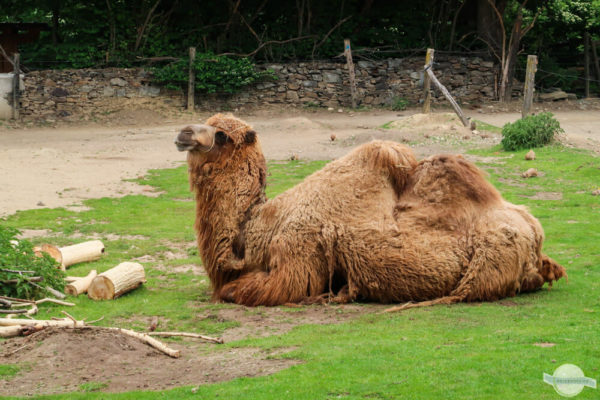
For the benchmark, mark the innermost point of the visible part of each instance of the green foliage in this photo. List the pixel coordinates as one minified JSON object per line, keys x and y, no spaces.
{"x":8,"y":370}
{"x":529,"y":132}
{"x":399,"y":104}
{"x":18,"y":255}
{"x":214,"y":74}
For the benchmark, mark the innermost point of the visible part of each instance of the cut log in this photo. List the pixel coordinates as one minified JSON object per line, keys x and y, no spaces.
{"x":81,"y":285}
{"x":75,"y":254}
{"x":117,"y":281}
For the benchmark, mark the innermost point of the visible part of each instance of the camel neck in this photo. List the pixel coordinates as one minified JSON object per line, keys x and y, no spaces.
{"x":226,"y":196}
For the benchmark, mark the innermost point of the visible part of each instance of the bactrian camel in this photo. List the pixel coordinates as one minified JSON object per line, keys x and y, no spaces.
{"x":374,"y":225}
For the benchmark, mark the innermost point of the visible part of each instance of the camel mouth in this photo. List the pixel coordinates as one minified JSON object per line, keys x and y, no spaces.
{"x":183,"y":146}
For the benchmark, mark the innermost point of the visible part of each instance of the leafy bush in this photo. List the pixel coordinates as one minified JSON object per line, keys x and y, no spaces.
{"x":399,"y":104}
{"x":214,"y":74}
{"x":529,"y":132}
{"x":18,"y":255}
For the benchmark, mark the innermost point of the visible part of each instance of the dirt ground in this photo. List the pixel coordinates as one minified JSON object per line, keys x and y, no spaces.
{"x":50,"y":360}
{"x":60,"y":166}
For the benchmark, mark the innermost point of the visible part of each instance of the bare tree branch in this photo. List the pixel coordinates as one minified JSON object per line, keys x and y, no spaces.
{"x":142,"y":29}
{"x":259,"y":48}
{"x":339,"y":23}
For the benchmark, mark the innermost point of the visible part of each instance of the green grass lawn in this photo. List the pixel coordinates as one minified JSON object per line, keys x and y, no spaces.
{"x":483,"y":351}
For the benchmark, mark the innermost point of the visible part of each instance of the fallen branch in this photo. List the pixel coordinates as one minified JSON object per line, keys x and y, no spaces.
{"x":63,"y":323}
{"x":144,"y":338}
{"x":25,"y":278}
{"x":187,"y":334}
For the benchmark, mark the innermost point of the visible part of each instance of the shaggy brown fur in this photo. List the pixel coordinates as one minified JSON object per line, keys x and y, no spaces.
{"x":372,"y":225}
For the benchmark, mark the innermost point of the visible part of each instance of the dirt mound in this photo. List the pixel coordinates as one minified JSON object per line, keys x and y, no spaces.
{"x":59,"y":361}
{"x":433,"y":124}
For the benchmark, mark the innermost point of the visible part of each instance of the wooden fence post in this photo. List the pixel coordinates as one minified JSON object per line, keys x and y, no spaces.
{"x":16,"y":87}
{"x":427,"y":83}
{"x":586,"y":61}
{"x":350,"y":65}
{"x":529,"y":85}
{"x":192,"y":80}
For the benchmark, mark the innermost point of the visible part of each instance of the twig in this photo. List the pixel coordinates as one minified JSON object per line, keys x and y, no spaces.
{"x":13,"y":311}
{"x":187,"y":334}
{"x":140,"y":336}
{"x":17,"y":299}
{"x":6,"y":303}
{"x":25,"y":278}
{"x":96,"y":320}
{"x":16,"y":271}
{"x":55,"y":301}
{"x":69,"y":316}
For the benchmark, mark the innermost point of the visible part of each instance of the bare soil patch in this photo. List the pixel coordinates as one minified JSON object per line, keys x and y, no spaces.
{"x":51,"y":361}
{"x":546,"y":196}
{"x":54,"y":363}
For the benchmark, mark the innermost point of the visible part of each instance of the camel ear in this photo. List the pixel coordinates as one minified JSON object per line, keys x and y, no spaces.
{"x":250,"y":137}
{"x":220,"y":138}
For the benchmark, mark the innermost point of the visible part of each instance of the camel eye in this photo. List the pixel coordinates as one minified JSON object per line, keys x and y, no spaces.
{"x":221,"y":138}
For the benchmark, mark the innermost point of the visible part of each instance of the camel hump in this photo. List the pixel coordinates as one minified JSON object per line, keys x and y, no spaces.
{"x":394,"y":159}
{"x":451,"y":179}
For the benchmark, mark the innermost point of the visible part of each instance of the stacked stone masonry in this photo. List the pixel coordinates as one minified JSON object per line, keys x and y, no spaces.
{"x":64,"y":93}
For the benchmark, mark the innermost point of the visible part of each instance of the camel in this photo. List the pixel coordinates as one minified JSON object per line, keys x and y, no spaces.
{"x":374,"y":225}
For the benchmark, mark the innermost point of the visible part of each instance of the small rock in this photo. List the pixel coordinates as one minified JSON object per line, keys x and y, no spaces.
{"x":41,"y":204}
{"x":340,"y":110}
{"x":531,"y":172}
{"x":530,"y":155}
{"x":333,"y":137}
{"x":294,"y":157}
{"x":596,"y":192}
{"x":330,"y":109}
{"x":475,"y":132}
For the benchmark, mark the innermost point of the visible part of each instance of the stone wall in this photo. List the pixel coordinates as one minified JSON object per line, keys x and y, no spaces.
{"x":72,"y":93}
{"x":379,"y":83}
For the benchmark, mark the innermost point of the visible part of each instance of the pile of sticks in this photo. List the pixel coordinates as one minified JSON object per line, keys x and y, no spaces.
{"x":12,"y":327}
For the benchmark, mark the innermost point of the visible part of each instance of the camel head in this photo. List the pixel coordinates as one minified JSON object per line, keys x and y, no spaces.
{"x":219,"y":134}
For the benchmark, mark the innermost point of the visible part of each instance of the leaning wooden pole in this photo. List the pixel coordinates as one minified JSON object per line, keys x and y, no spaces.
{"x":192,"y":80}
{"x":351,"y":74}
{"x":529,"y":85}
{"x":427,"y":83}
{"x":449,"y":97}
{"x":16,"y":87}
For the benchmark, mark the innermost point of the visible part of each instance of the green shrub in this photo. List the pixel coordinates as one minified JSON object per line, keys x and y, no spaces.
{"x":399,"y":104}
{"x":529,"y":132}
{"x":17,"y":255}
{"x":214,"y":74}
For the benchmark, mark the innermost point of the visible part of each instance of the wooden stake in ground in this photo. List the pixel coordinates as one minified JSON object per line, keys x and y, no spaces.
{"x":351,"y":75}
{"x":70,"y":255}
{"x":449,"y":97}
{"x":117,"y":281}
{"x":529,"y":85}
{"x":81,"y":285}
{"x":427,"y":83}
{"x":192,"y":80}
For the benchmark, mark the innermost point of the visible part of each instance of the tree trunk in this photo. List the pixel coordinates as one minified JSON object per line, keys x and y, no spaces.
{"x":511,"y":57}
{"x":55,"y":21}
